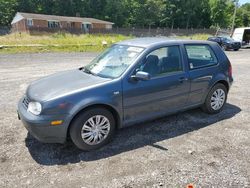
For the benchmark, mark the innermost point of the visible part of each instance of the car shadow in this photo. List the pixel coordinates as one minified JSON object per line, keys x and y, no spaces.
{"x":129,"y":138}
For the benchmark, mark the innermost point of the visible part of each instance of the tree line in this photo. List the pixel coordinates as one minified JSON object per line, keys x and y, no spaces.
{"x":138,"y":13}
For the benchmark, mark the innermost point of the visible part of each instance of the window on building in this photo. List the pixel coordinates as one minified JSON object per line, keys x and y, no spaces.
{"x":86,"y":27}
{"x":108,"y":26}
{"x":29,"y":22}
{"x":53,"y":24}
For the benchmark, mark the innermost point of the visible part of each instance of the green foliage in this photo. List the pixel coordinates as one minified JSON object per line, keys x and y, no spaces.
{"x":137,"y":13}
{"x":144,"y":13}
{"x":243,"y":16}
{"x":186,"y":14}
{"x":7,"y":11}
{"x":59,"y":42}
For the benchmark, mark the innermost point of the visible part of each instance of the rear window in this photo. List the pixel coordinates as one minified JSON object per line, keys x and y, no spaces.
{"x":200,"y":55}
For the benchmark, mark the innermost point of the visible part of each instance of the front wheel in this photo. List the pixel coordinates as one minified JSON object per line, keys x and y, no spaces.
{"x":224,"y":47}
{"x":92,"y":129}
{"x":216,"y":99}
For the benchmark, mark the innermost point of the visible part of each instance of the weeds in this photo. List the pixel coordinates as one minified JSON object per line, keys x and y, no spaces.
{"x":64,"y":42}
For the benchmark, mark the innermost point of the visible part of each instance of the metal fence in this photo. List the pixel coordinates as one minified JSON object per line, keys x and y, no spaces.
{"x":140,"y":32}
{"x":223,"y":32}
{"x":44,"y":30}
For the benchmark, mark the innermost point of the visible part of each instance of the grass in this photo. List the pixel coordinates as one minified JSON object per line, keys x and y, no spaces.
{"x":15,"y":43}
{"x":62,"y":42}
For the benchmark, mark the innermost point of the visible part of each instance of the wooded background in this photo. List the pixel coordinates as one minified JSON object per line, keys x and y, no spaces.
{"x":137,"y":13}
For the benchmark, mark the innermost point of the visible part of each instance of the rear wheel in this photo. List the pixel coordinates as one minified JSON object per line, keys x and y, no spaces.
{"x":216,"y":99}
{"x":92,"y":129}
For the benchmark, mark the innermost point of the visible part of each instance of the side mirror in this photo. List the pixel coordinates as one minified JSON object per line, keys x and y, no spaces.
{"x":140,"y":75}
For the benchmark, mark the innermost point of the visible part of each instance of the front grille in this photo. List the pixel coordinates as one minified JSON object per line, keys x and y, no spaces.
{"x":26,"y":101}
{"x":237,"y":44}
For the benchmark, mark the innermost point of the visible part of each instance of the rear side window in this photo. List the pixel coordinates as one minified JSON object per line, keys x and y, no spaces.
{"x":200,"y":55}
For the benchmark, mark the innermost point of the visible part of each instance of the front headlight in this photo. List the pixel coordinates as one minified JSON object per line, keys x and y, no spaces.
{"x":35,"y":108}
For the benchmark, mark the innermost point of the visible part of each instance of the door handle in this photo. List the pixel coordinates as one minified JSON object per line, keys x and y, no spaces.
{"x":182,"y":79}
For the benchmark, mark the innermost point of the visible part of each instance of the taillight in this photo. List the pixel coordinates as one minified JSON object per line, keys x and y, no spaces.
{"x":230,"y":70}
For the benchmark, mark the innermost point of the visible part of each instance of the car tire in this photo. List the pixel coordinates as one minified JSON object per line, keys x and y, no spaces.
{"x":236,"y":49}
{"x":87,"y":134}
{"x":216,"y":99}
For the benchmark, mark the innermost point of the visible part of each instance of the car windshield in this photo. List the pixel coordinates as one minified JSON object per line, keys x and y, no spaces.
{"x":227,"y":39}
{"x":113,"y":61}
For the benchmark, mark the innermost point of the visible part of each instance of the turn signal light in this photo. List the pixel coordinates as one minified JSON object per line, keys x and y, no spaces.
{"x":58,"y":122}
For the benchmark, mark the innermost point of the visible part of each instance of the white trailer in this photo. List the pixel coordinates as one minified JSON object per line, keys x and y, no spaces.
{"x":243,"y":35}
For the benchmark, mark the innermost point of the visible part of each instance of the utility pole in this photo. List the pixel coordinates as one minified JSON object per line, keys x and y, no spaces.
{"x":235,"y":10}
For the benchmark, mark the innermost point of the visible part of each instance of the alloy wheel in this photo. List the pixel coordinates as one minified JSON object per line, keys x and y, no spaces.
{"x":218,"y":99}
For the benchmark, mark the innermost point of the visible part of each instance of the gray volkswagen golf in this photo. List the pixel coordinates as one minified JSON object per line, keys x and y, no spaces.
{"x":130,"y":82}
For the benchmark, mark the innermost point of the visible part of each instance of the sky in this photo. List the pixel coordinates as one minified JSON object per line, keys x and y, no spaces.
{"x":244,"y":1}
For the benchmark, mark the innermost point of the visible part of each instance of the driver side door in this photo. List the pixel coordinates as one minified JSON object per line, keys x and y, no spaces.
{"x":165,"y":92}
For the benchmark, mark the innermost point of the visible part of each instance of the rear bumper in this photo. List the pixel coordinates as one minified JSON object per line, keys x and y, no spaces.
{"x":40,"y":128}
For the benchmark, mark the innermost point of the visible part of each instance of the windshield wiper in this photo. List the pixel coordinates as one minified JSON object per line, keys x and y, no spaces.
{"x":84,"y":69}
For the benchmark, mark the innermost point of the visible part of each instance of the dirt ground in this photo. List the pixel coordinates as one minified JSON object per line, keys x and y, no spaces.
{"x":191,"y":147}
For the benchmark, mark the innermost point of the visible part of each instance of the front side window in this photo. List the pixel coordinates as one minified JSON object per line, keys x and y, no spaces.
{"x":163,"y":61}
{"x":114,"y":61}
{"x":200,"y":55}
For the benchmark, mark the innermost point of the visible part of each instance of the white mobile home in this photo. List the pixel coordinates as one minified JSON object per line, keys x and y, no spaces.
{"x":243,"y":35}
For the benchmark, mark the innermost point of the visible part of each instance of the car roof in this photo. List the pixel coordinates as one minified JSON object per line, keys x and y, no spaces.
{"x":242,"y":28}
{"x":147,"y":42}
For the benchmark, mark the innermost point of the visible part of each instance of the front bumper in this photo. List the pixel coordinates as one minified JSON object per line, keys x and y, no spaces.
{"x":234,"y":46}
{"x":40,"y":126}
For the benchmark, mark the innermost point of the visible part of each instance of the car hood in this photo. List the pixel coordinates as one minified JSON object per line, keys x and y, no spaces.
{"x":61,"y":84}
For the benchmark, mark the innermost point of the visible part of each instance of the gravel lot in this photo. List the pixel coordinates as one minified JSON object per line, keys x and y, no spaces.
{"x":191,"y":147}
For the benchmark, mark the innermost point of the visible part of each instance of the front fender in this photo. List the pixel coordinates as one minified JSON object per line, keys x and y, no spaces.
{"x":108,"y":96}
{"x":86,"y":103}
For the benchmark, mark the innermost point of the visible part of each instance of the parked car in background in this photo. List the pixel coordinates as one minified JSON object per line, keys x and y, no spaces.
{"x":131,"y":82}
{"x":243,"y":35}
{"x":226,"y":43}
